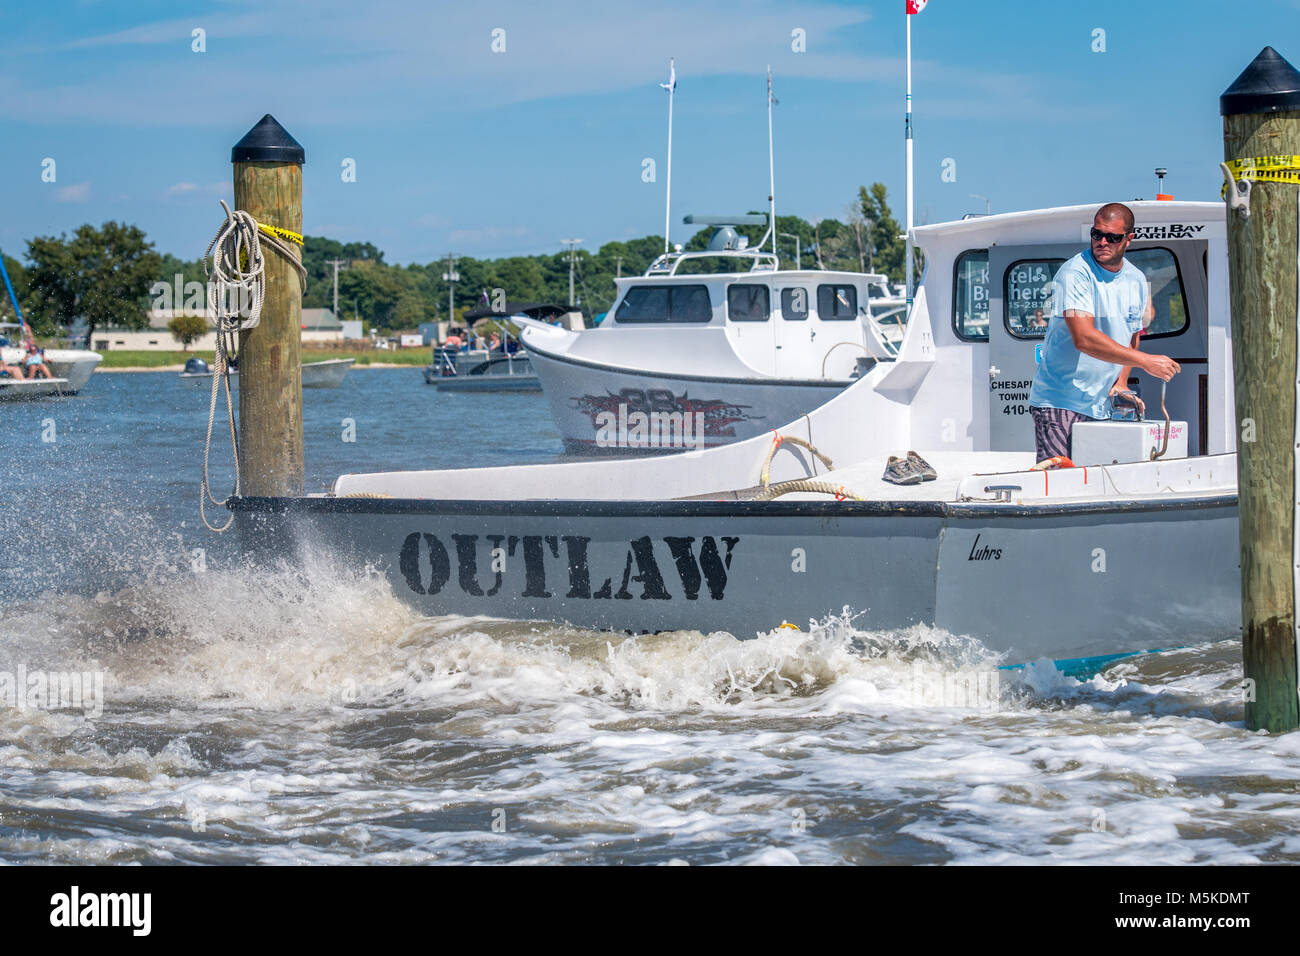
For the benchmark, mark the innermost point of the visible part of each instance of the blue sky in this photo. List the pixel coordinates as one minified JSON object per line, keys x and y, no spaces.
{"x":504,"y":153}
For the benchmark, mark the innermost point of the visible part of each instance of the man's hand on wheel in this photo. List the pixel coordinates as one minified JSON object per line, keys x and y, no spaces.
{"x":1161,"y":367}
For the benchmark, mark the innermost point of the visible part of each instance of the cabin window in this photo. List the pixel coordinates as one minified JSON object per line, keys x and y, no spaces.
{"x":837,"y":303}
{"x":794,"y":305}
{"x":749,"y":302}
{"x":665,"y":303}
{"x":876,"y":292}
{"x":970,"y":296}
{"x":1160,"y":266}
{"x":1027,"y":295}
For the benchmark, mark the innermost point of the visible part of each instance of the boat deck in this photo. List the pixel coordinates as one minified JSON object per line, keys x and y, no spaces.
{"x":971,"y":476}
{"x":865,"y":479}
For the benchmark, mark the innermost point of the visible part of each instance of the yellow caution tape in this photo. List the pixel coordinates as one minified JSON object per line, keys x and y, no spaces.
{"x":295,"y":237}
{"x":1265,"y":169}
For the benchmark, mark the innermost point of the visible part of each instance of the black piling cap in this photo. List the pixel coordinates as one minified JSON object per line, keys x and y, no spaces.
{"x":1269,"y":85}
{"x":268,"y":142}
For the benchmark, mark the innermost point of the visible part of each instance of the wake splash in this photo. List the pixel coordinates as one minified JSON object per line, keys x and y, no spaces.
{"x":320,"y":634}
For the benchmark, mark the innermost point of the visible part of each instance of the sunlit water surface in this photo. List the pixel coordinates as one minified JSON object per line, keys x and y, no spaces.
{"x":307,"y":715}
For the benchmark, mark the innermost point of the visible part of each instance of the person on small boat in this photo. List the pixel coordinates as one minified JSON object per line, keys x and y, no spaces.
{"x":1099,"y":307}
{"x":36,"y":367}
{"x":11,"y":371}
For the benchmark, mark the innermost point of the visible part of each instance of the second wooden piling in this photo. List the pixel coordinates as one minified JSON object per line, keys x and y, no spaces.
{"x":268,"y":185}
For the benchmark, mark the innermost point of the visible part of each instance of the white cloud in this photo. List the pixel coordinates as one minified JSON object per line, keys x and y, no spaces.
{"x":386,"y":60}
{"x":176,"y":31}
{"x":78,"y":192}
{"x":488,"y":235}
{"x":184,"y":189}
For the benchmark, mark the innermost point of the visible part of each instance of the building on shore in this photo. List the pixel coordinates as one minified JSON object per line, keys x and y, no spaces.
{"x":318,"y":326}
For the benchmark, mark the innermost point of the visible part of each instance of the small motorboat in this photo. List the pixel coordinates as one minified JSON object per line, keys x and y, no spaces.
{"x":327,"y":374}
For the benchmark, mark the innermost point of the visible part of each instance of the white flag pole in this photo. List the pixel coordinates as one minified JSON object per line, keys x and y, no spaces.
{"x":908,"y":125}
{"x":668,"y":193}
{"x":771,"y":173}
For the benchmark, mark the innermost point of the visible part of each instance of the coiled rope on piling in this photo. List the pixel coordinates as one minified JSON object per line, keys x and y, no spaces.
{"x":237,"y":264}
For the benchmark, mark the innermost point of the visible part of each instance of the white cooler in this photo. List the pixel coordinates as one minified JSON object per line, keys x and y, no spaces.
{"x":1110,"y":443}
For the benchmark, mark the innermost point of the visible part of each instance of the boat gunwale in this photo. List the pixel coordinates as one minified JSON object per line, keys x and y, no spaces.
{"x":837,"y":384}
{"x":606,"y":508}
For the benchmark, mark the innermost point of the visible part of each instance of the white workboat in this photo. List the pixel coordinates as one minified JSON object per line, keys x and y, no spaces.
{"x":1123,"y":555}
{"x":327,"y":374}
{"x":717,"y":356}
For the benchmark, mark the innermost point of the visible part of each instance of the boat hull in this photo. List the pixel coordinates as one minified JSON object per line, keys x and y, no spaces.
{"x":328,"y":374}
{"x":490,"y":383}
{"x":75,"y":365}
{"x":604,"y":409}
{"x":15,"y":390}
{"x":1058,"y":581}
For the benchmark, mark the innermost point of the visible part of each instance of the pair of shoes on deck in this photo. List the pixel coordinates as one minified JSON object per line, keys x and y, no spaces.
{"x":911,"y":470}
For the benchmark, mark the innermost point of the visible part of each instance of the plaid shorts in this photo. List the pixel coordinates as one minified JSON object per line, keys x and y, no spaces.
{"x":1052,"y":431}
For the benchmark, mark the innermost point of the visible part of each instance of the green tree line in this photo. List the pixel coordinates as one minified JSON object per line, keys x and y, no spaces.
{"x":103,"y":276}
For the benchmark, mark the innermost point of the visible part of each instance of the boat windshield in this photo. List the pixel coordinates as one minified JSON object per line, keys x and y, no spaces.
{"x":665,"y":303}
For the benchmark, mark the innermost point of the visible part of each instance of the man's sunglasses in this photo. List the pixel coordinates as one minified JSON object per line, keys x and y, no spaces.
{"x":1112,"y":237}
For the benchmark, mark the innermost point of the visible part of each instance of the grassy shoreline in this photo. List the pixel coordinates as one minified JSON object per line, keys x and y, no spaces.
{"x":140,"y":361}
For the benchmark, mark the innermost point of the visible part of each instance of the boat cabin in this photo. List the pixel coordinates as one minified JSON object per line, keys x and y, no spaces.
{"x":986,"y":280}
{"x":760,"y":322}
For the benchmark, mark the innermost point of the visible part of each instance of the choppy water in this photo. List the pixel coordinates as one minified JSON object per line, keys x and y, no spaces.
{"x":309,"y":716}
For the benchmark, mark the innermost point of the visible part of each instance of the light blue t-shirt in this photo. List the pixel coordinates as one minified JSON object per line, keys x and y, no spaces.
{"x":1066,"y":378}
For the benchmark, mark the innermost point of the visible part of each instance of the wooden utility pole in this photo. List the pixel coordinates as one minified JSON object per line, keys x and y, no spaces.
{"x":336,"y":263}
{"x":268,"y":186}
{"x":1261,"y":132}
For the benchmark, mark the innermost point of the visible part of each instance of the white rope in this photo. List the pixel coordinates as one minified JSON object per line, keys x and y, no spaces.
{"x":220,"y":374}
{"x":238,"y":266}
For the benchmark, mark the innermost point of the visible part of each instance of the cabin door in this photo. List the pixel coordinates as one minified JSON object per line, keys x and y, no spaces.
{"x":1020,"y":284}
{"x":794,"y":332}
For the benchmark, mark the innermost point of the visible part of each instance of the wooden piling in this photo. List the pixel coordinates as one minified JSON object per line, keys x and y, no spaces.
{"x":1261,"y":118}
{"x":268,"y":185}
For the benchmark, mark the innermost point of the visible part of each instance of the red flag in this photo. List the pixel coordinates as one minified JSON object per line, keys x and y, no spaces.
{"x":916,"y":6}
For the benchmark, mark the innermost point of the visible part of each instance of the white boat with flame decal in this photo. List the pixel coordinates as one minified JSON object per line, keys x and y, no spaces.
{"x":1122,"y":555}
{"x":695,"y":360}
